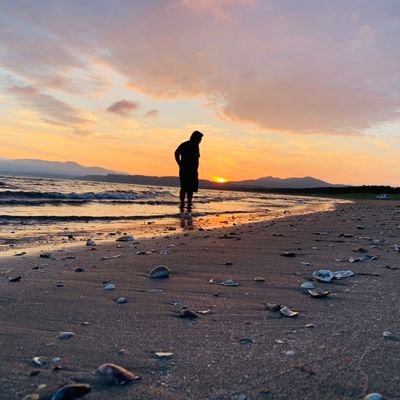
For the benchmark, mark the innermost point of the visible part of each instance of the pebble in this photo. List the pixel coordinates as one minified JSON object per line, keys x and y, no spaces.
{"x":121,"y":300}
{"x":163,"y":354}
{"x":90,"y":242}
{"x":290,"y":353}
{"x":78,"y":269}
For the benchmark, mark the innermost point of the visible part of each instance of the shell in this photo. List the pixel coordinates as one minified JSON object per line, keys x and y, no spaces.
{"x":307,"y":286}
{"x":259,"y":279}
{"x":66,"y":335}
{"x":373,"y":396}
{"x":288,"y":254}
{"x":229,"y":282}
{"x":159,"y":272}
{"x":318,"y":292}
{"x":117,"y":374}
{"x":323,"y":275}
{"x":343,"y":274}
{"x":109,"y":286}
{"x":71,"y":392}
{"x":287,"y":312}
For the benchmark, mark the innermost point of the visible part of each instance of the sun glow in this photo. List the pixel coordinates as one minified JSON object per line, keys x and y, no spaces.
{"x":219,"y":179}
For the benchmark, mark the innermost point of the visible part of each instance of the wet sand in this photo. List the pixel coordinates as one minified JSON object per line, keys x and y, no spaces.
{"x":343,"y":355}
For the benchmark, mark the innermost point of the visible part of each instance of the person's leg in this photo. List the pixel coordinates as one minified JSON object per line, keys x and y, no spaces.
{"x":182,"y":198}
{"x":190,"y":197}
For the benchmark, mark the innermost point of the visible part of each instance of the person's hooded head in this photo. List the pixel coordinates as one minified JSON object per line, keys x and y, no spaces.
{"x":196,"y":137}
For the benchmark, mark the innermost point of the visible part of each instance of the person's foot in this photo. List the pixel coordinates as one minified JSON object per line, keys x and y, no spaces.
{"x":182,"y":208}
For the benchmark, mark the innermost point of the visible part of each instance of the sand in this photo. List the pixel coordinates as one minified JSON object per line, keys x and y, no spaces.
{"x":343,"y":355}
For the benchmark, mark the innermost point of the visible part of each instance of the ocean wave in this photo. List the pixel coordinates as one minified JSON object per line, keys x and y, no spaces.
{"x":87,"y":196}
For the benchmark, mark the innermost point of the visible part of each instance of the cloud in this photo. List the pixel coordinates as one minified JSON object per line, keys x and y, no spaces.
{"x":152,"y":113}
{"x":50,"y":109}
{"x":123,"y":108}
{"x":287,"y":66}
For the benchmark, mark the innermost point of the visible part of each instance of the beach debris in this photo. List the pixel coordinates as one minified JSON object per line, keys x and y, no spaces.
{"x":343,"y":274}
{"x":187,"y":313}
{"x":373,"y":396}
{"x":163,"y":354}
{"x":79,"y":269}
{"x":391,"y":336}
{"x":90,"y":242}
{"x":71,"y":391}
{"x":203,"y":312}
{"x":159,"y":272}
{"x":32,"y":396}
{"x":39,"y":360}
{"x":246,"y":340}
{"x":288,"y":254}
{"x":229,"y":282}
{"x":366,"y":258}
{"x":323,"y":275}
{"x":65,"y":335}
{"x":111,"y":257}
{"x":126,"y":238}
{"x":15,"y":279}
{"x":259,"y":279}
{"x":309,"y":326}
{"x":56,"y":363}
{"x":141,"y":253}
{"x":46,"y":255}
{"x":318,"y":292}
{"x":307,"y":286}
{"x":273,"y":307}
{"x":22,"y":253}
{"x":287,"y":312}
{"x":121,"y":300}
{"x":116,"y":374}
{"x":109,"y":286}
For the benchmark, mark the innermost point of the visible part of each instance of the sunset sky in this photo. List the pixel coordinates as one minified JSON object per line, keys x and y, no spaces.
{"x":278,"y":87}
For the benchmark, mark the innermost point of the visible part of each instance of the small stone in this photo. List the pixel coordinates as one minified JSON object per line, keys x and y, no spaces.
{"x":117,"y":374}
{"x":259,"y":279}
{"x":32,"y":396}
{"x":290,"y":353}
{"x":187,"y":313}
{"x":121,"y":300}
{"x":391,"y":336}
{"x":90,"y":242}
{"x":309,"y":326}
{"x":288,"y":254}
{"x":45,"y":255}
{"x":78,"y":269}
{"x":229,"y":282}
{"x":72,"y":391}
{"x":246,"y":341}
{"x":228,"y":263}
{"x":15,"y":279}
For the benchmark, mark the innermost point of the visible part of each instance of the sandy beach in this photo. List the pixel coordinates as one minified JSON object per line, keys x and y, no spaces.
{"x":237,"y":348}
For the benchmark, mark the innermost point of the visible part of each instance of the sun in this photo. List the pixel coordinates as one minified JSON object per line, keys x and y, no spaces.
{"x":219,"y":179}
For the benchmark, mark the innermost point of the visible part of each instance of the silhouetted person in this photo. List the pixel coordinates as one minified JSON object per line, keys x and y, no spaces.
{"x":187,"y":156}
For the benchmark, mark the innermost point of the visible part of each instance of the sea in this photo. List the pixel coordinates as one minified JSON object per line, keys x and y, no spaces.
{"x":64,"y":211}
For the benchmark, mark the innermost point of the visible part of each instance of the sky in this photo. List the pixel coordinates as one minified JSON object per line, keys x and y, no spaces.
{"x":284,"y":88}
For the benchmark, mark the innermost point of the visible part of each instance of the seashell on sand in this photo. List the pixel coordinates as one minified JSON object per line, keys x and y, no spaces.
{"x":159,"y":272}
{"x":116,"y":374}
{"x":287,"y":312}
{"x":71,"y":392}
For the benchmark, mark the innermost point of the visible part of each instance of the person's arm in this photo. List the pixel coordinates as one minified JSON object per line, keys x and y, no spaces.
{"x":178,"y":155}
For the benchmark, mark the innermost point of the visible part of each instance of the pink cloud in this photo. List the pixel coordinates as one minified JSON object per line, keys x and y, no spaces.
{"x":152,"y":113}
{"x":123,"y":108}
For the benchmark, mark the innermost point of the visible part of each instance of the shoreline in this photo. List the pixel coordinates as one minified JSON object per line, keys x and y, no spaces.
{"x":334,"y":348}
{"x":145,"y":228}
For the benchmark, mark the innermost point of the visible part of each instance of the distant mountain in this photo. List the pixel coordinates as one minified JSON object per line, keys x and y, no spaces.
{"x":270,"y":182}
{"x":48,"y":168}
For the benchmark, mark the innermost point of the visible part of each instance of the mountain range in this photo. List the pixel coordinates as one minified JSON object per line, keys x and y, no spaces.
{"x":69,"y":169}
